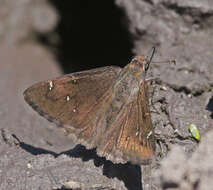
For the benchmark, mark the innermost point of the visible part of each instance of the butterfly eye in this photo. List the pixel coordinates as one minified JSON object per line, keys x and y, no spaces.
{"x":134,"y":60}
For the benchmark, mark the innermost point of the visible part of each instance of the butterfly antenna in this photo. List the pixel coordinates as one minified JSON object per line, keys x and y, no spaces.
{"x":166,"y":61}
{"x":149,"y":57}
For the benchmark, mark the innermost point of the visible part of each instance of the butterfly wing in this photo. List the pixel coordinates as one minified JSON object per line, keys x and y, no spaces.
{"x":79,"y":102}
{"x":71,"y":101}
{"x":131,"y":136}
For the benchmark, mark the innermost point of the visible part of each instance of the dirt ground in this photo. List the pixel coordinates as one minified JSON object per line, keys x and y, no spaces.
{"x":44,"y":39}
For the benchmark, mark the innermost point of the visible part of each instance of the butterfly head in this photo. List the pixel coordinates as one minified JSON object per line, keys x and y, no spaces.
{"x":140,"y":64}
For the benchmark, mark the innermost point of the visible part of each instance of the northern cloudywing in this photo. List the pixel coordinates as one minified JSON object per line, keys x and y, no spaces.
{"x":106,"y":108}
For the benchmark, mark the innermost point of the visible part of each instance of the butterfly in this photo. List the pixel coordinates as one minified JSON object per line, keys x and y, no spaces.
{"x":105,"y":108}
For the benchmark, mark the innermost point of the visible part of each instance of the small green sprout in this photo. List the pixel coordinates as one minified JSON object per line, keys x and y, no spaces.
{"x":194,"y":132}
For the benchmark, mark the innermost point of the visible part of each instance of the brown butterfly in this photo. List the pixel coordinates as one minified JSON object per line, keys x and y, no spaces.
{"x":106,"y":108}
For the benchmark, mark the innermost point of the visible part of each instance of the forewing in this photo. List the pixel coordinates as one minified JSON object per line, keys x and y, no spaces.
{"x":131,"y":136}
{"x":71,"y":100}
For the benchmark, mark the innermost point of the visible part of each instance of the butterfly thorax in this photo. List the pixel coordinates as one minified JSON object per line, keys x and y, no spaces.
{"x":125,"y":89}
{"x":130,"y":80}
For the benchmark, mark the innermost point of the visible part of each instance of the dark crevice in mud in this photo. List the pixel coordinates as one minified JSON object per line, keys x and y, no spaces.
{"x":201,"y":18}
{"x":193,"y":11}
{"x":187,"y":91}
{"x":91,"y":34}
{"x":65,"y":188}
{"x":209,"y":106}
{"x":149,"y":2}
{"x":8,"y":138}
{"x":198,"y":93}
{"x":194,"y":92}
{"x":184,"y":89}
{"x":170,"y":185}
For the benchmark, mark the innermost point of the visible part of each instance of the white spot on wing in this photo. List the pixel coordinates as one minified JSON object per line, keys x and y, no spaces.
{"x":68,"y":98}
{"x":51,"y":85}
{"x":149,"y":134}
